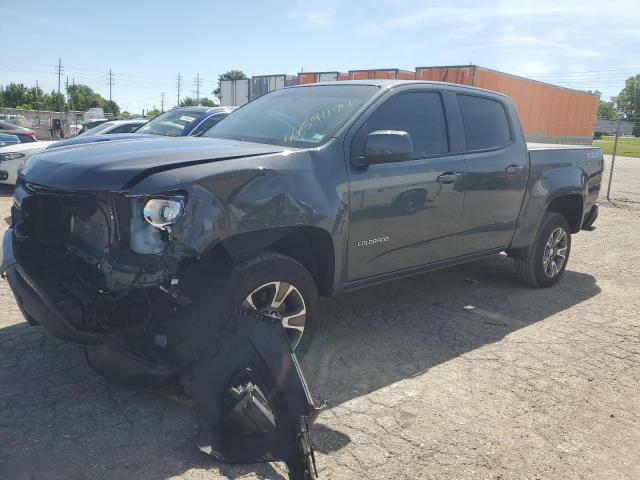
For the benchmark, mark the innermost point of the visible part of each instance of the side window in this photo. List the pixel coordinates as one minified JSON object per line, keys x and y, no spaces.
{"x":124,"y":129}
{"x":485,"y":122}
{"x":207,"y":124}
{"x":420,"y":114}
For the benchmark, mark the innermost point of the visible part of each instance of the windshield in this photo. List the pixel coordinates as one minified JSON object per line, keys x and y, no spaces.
{"x":299,"y":117}
{"x":97,"y":130}
{"x":170,"y":124}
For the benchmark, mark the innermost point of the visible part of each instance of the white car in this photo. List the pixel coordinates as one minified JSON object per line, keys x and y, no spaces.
{"x":14,"y":156}
{"x":115,"y":126}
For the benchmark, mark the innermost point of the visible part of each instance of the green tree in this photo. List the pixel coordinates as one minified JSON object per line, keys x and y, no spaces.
{"x":628,"y":102}
{"x":230,"y":75}
{"x":55,"y":102}
{"x":154,"y":113}
{"x":16,"y":94}
{"x":607,"y":110}
{"x":38,"y":98}
{"x":207,"y":102}
{"x":111,"y":107}
{"x":188,"y":102}
{"x":82,"y":98}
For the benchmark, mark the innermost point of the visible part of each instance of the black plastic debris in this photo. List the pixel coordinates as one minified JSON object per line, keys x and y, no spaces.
{"x":251,"y":400}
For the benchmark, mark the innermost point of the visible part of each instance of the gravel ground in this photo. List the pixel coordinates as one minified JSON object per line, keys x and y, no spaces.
{"x":461,"y":373}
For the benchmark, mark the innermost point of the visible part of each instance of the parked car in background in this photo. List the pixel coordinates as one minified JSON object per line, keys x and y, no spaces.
{"x":25,"y":135}
{"x":86,"y":125}
{"x":112,"y":130}
{"x":13,"y":157}
{"x":185,"y":121}
{"x":179,"y":122}
{"x":6,"y":139}
{"x":116,"y":126}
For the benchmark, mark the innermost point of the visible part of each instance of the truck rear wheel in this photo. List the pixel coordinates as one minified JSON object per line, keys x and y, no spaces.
{"x":543,"y":263}
{"x":280,"y":286}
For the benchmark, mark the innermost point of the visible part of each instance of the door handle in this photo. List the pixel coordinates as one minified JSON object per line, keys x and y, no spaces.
{"x":514,"y":169}
{"x":447,"y":177}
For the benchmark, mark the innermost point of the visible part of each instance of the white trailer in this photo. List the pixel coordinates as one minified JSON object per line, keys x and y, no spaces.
{"x":234,"y":93}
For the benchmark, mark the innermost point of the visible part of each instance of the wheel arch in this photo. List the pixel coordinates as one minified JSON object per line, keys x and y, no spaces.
{"x":570,"y":206}
{"x":312,"y":247}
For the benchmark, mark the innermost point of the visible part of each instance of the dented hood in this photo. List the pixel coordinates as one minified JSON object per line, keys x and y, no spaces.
{"x":118,"y":165}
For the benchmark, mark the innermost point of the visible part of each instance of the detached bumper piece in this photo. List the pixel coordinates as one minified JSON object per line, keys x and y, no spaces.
{"x":251,"y":400}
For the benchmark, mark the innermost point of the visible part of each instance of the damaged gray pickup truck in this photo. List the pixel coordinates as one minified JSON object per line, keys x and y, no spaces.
{"x":178,"y":261}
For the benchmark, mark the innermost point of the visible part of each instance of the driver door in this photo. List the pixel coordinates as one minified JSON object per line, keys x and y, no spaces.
{"x":405,"y":214}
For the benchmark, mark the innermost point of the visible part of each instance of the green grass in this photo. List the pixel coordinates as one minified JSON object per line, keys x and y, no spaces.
{"x":627,"y":146}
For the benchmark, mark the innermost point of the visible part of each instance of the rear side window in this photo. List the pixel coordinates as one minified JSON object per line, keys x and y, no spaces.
{"x":126,"y":128}
{"x":485,"y":122}
{"x":420,"y":114}
{"x":207,"y":124}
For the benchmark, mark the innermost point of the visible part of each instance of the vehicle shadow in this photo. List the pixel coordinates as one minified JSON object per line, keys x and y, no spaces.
{"x":372,"y":338}
{"x":57,"y":416}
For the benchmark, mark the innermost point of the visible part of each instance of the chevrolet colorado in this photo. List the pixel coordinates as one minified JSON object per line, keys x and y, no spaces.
{"x":142,"y":249}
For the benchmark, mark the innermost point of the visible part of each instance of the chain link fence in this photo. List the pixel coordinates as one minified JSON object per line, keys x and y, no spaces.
{"x":621,"y":179}
{"x":44,"y":123}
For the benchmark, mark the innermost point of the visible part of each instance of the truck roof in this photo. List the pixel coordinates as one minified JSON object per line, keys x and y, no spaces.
{"x":393,"y":83}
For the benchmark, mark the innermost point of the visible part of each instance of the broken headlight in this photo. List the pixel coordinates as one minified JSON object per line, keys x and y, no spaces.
{"x":163,"y":211}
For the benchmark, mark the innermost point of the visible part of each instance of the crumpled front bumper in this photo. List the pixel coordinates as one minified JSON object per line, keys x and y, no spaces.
{"x":33,"y":300}
{"x":251,"y":400}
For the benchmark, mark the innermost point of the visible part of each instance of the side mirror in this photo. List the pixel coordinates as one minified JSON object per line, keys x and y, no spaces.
{"x":385,"y":146}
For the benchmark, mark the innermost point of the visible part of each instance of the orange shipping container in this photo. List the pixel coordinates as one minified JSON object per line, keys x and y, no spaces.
{"x":314,"y":77}
{"x":548,"y":113}
{"x":382,"y":74}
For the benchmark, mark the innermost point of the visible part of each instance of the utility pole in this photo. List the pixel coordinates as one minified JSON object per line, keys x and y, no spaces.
{"x":110,"y":76}
{"x":66,"y":85}
{"x":58,"y":70}
{"x":162,"y":102}
{"x":198,"y":83}
{"x":179,"y":86}
{"x":613,"y":157}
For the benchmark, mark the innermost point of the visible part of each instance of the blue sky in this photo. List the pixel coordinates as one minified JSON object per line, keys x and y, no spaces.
{"x":585,"y":44}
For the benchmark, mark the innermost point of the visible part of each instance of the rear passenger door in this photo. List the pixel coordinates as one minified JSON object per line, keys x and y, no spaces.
{"x":497,"y":170}
{"x":405,"y":214}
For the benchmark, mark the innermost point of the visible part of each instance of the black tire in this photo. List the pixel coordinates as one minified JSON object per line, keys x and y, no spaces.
{"x":274,"y":267}
{"x":532,"y":267}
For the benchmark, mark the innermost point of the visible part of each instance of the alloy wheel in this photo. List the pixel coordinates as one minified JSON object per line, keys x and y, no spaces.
{"x":555,"y":252}
{"x":284,"y":301}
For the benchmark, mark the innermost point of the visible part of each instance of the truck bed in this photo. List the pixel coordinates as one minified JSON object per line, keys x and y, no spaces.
{"x":570,"y":159}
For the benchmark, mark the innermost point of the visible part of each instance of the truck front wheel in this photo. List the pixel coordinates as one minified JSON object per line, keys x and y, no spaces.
{"x":280,"y":286}
{"x":543,"y":263}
